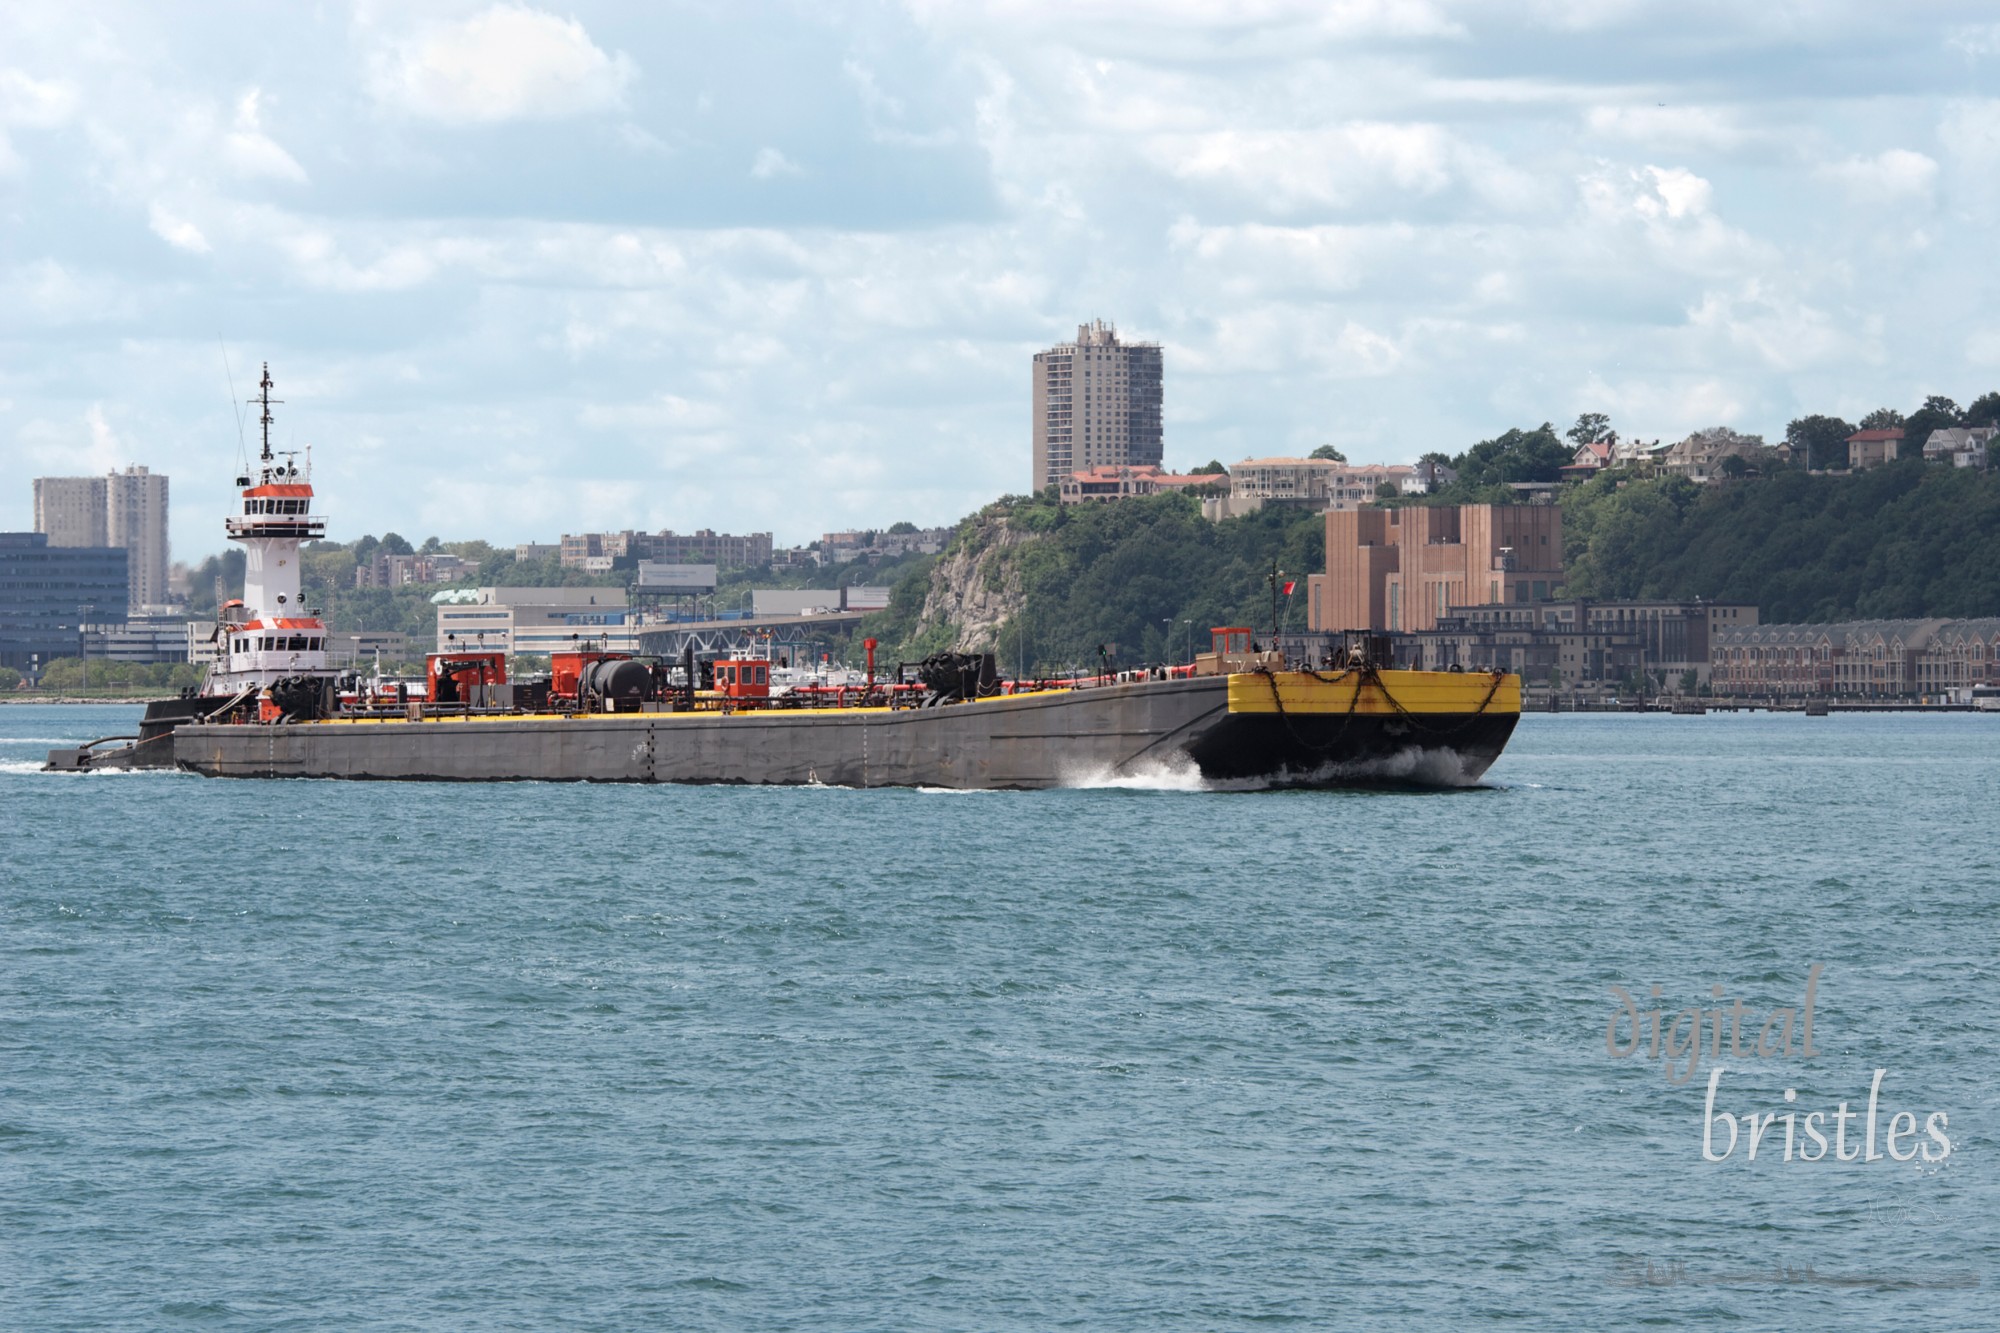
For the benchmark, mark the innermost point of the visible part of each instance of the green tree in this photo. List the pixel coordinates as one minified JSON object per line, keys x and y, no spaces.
{"x":226,"y":566}
{"x":1902,"y":541}
{"x":1985,"y":410}
{"x":1328,"y":451}
{"x":1112,"y":573}
{"x":1819,"y":442}
{"x":902,"y":529}
{"x":1212,"y":468}
{"x":1734,"y":467}
{"x":1518,"y":455}
{"x":1590,"y":428}
{"x":1882,"y":418}
{"x":392,"y":544}
{"x":1937,"y":413}
{"x":325,"y":567}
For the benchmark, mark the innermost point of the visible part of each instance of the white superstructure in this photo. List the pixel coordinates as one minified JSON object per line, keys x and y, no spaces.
{"x":270,"y":635}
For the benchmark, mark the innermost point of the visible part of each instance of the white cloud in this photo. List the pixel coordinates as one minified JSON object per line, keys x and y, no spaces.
{"x":1975,"y":40}
{"x":41,"y":103}
{"x":176,"y":231}
{"x":1653,"y":195}
{"x":251,"y":152}
{"x":1672,"y":129}
{"x":1895,"y":174}
{"x":1400,"y":227}
{"x":105,"y":446}
{"x":667,"y":412}
{"x":1287,"y":170}
{"x":1360,"y":350}
{"x":1969,"y":133}
{"x":1662,"y":404}
{"x":1777,"y":327}
{"x":770,"y":164}
{"x":1679,"y":190}
{"x":29,"y":103}
{"x":1181,"y":29}
{"x":508,"y":62}
{"x":1982,"y":348}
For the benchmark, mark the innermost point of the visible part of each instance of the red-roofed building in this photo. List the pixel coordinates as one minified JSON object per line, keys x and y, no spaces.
{"x":1588,"y":461}
{"x":1119,"y":483}
{"x":1872,"y":448}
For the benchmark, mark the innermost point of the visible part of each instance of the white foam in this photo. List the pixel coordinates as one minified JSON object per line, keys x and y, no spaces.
{"x":1177,"y":773}
{"x":24,"y":766}
{"x":1174,"y":772}
{"x":1417,"y":767}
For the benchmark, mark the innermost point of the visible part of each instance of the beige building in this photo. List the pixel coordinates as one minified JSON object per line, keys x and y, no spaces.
{"x":136,"y":519}
{"x":1701,"y":456}
{"x":1096,"y":404}
{"x":71,"y":510}
{"x":596,"y":552}
{"x":1873,"y":448}
{"x":1402,"y":569}
{"x":1320,"y":482}
{"x":127,"y":509}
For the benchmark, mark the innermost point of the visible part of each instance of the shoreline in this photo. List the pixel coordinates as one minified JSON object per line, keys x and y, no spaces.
{"x":74,"y":699}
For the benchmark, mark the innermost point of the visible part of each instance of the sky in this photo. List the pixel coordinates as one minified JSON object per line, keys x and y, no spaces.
{"x":523,"y":270}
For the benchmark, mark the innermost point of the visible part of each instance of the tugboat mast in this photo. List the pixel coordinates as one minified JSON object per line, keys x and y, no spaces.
{"x":264,"y":399}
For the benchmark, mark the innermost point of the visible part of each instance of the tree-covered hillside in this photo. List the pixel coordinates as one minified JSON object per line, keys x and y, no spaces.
{"x":1146,"y":576}
{"x":1909,"y":539}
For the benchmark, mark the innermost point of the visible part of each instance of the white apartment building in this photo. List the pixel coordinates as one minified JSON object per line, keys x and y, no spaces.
{"x":1096,"y":404}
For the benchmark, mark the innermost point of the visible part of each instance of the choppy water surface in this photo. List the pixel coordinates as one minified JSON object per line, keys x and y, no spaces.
{"x":310,"y":1054}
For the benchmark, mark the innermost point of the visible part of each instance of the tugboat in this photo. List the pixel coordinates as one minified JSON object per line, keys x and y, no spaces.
{"x":270,"y":649}
{"x":1238,"y":716}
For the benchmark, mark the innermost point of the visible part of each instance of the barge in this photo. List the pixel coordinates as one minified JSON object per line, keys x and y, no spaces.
{"x":1238,"y":716}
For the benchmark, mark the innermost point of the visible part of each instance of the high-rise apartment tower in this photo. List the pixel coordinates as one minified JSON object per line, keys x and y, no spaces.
{"x":1097,"y":404}
{"x":127,"y":509}
{"x":70,"y":510}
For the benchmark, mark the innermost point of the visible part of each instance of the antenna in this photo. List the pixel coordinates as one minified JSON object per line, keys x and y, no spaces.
{"x":242,"y":448}
{"x":265,"y":400}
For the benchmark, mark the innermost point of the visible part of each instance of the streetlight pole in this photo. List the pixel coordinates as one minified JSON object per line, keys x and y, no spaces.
{"x":1167,"y":638}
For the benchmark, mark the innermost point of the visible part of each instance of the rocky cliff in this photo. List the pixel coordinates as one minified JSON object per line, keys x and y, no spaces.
{"x":975,"y":587}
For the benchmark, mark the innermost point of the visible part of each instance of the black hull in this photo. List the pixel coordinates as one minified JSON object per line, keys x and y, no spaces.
{"x":1321,"y":751}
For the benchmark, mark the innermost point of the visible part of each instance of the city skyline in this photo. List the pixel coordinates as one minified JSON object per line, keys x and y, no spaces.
{"x":522,"y":270}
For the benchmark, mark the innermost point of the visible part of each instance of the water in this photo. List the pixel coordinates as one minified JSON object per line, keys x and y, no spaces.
{"x":376,"y":1056}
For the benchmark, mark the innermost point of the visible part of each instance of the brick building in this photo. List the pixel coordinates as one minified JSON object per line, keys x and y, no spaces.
{"x":1401,"y":569}
{"x":1860,"y":658}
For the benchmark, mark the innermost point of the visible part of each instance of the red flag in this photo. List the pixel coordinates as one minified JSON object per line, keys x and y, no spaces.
{"x":1289,"y":586}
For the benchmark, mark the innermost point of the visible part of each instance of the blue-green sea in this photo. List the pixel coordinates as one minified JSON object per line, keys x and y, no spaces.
{"x":313,"y":1055}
